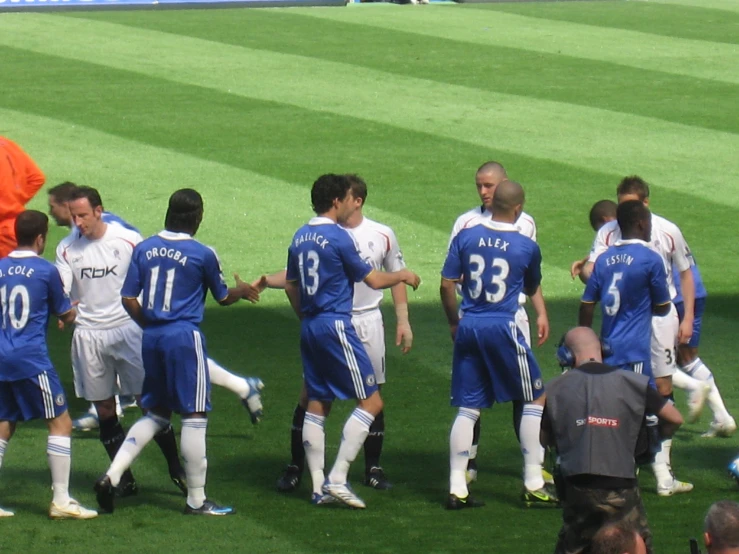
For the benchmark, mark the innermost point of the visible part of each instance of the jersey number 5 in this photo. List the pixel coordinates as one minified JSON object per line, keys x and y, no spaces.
{"x":10,"y":309}
{"x":612,"y":309}
{"x":498,"y":279}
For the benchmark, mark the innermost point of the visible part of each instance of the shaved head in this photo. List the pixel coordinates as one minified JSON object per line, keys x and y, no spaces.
{"x":493,"y":168}
{"x":508,"y":195}
{"x":584,"y":344}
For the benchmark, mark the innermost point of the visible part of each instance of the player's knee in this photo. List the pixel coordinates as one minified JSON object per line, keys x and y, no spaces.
{"x":61,"y":426}
{"x":373,"y":404}
{"x":664,"y":385}
{"x":106,"y":409}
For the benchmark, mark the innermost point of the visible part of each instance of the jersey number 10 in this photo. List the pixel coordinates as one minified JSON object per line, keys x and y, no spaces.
{"x":10,"y":310}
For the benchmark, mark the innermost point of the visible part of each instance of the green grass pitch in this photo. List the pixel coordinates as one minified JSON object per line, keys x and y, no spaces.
{"x":249,"y":106}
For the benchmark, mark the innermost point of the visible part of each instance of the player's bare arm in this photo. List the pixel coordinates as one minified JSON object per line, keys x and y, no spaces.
{"x":585,"y":317}
{"x":586,"y":272}
{"x":67,"y":318}
{"x":687,"y":285}
{"x":248,"y":291}
{"x":387,"y":279}
{"x":134,"y":310}
{"x":271,"y":281}
{"x":542,"y":319}
{"x":403,"y":331}
{"x":576,"y":267}
{"x":448,"y":293}
{"x":292,"y":290}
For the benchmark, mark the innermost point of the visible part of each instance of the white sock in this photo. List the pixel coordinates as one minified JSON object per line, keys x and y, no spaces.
{"x":223,"y":378}
{"x":683,"y":381}
{"x":531,"y":446}
{"x":698,"y":370}
{"x":59,"y":453}
{"x":460,"y":443}
{"x":3,"y":446}
{"x":661,"y":467}
{"x":314,"y":443}
{"x":138,"y":436}
{"x":192,"y":447}
{"x":473,"y":451}
{"x":353,"y":436}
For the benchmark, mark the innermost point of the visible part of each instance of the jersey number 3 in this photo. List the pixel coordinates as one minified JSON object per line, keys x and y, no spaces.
{"x":498,"y":280}
{"x":309,"y":272}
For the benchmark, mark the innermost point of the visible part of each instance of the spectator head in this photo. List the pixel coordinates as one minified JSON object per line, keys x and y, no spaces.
{"x":618,"y":538}
{"x":721,"y":528}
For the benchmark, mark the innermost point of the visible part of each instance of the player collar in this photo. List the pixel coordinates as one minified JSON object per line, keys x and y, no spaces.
{"x":22,"y":254}
{"x":321,"y":220}
{"x":631,"y":241}
{"x":174,"y":236}
{"x":499,"y":225}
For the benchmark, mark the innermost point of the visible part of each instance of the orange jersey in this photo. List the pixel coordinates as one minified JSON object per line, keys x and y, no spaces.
{"x":20,"y":179}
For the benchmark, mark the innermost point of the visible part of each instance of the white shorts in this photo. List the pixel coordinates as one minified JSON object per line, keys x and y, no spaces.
{"x":664,"y":343}
{"x":104,"y":358}
{"x":371,"y":331}
{"x":522,"y":322}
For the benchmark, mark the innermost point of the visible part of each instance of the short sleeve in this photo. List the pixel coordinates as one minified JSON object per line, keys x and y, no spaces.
{"x":659,"y":291}
{"x":393,"y":257}
{"x":214,"y":276}
{"x":63,"y":267}
{"x":593,"y":288}
{"x":293,"y":268}
{"x":681,"y":252}
{"x":600,"y":243}
{"x":59,"y":302}
{"x":452,"y":269}
{"x":532,"y":276}
{"x":355,"y":267}
{"x":132,"y":285}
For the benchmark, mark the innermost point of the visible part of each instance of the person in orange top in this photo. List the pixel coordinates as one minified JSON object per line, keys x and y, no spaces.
{"x":20,"y":180}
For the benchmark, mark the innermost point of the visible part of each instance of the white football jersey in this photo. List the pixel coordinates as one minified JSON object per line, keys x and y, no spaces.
{"x":667,"y":241}
{"x":525,"y":224}
{"x":93,"y":272}
{"x":377,"y":245}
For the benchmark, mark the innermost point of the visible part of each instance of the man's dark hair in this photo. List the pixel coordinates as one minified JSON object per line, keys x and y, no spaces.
{"x":29,"y":225}
{"x":326,"y":189}
{"x":614,"y":539}
{"x":92,"y":195}
{"x":185,"y":212}
{"x":722,"y":524}
{"x":359,"y":187}
{"x":600,"y":211}
{"x":633,"y":185}
{"x":629,"y":214}
{"x":63,"y":191}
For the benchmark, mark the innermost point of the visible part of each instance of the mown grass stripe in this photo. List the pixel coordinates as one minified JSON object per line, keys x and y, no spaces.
{"x":589,"y":138}
{"x":726,"y":5}
{"x":687,"y":22}
{"x":696,"y":58}
{"x":677,"y":98}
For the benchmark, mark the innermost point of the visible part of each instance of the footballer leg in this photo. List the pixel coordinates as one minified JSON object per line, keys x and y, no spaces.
{"x":248,"y":389}
{"x":112,"y":437}
{"x":293,"y":474}
{"x":7,"y":428}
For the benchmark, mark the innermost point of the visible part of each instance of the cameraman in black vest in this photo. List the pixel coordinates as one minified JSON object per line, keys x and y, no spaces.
{"x":593,"y":417}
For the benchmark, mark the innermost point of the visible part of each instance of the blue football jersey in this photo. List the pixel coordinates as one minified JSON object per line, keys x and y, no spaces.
{"x":174,"y":271}
{"x":30,"y":291}
{"x":628,"y":280}
{"x":495,"y":263}
{"x":324,"y":258}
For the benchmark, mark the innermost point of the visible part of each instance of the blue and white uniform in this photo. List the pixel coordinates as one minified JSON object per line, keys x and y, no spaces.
{"x":30,"y":291}
{"x":492,"y":361}
{"x":174,"y":273}
{"x":628,"y":280}
{"x":324,"y":259}
{"x":700,"y":302}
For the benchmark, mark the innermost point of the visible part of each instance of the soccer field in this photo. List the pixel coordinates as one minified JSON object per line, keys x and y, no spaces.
{"x":250,"y":106}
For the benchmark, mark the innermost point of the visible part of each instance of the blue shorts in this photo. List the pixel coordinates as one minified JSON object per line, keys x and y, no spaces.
{"x":700,"y":307}
{"x":642,"y":368}
{"x":335,"y":363}
{"x":492,"y":363}
{"x":176,"y":369}
{"x":38,"y":397}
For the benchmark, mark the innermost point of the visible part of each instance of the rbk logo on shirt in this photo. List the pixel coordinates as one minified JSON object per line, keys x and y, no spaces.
{"x":96,"y":272}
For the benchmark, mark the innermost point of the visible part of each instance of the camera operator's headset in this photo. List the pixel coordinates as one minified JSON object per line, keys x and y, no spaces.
{"x":566,"y":357}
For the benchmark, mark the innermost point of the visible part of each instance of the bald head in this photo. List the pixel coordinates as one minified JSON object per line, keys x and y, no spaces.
{"x":493,"y":168}
{"x":508,"y":201}
{"x":584,"y":344}
{"x":487,"y":178}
